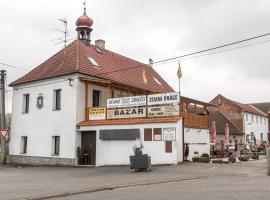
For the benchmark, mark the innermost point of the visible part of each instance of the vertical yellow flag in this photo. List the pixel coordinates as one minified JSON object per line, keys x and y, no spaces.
{"x":179,"y":72}
{"x":144,"y":78}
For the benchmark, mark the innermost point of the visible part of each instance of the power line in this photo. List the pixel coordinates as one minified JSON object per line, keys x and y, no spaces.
{"x":190,"y":54}
{"x":225,"y":50}
{"x":12,"y":66}
{"x":173,"y":59}
{"x":213,"y":48}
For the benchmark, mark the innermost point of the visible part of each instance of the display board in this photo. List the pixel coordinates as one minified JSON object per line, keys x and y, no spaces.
{"x":163,"y":111}
{"x":169,"y":134}
{"x":97,"y":113}
{"x":125,"y":102}
{"x":165,"y":98}
{"x":122,"y":113}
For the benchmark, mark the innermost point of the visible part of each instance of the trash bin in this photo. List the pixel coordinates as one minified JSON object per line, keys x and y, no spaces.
{"x":139,"y":161}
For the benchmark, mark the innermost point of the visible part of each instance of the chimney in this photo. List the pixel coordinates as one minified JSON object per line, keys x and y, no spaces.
{"x":100,"y":44}
{"x":151,"y":62}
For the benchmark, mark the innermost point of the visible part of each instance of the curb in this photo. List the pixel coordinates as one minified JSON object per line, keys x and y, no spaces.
{"x":101,"y":189}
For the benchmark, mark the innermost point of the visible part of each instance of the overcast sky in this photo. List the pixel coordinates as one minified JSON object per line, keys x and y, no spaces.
{"x":156,"y":29}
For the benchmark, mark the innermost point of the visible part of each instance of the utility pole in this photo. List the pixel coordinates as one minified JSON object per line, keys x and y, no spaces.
{"x":3,"y":114}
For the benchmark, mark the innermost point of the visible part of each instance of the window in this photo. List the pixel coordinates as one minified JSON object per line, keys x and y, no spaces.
{"x":246,"y":117}
{"x":55,"y":145}
{"x":26,"y":98}
{"x":23,"y":144}
{"x":252,"y":118}
{"x":157,"y":134}
{"x":261,"y":120}
{"x":257,"y":120}
{"x":157,"y":81}
{"x":57,"y":99}
{"x":93,"y":61}
{"x":248,"y":138}
{"x":147,"y":134}
{"x":261,"y":136}
{"x":264,"y":121}
{"x":96,"y":97}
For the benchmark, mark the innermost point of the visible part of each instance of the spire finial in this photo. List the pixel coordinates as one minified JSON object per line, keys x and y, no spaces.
{"x":84,"y":5}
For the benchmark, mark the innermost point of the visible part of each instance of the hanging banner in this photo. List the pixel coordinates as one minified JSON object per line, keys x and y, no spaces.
{"x":121,"y":113}
{"x":166,"y":98}
{"x":126,"y":102}
{"x":97,"y":113}
{"x":169,"y":134}
{"x":163,"y":111}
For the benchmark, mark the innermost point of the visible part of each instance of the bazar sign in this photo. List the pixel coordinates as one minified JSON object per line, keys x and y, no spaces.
{"x":98,"y":113}
{"x":121,"y":113}
{"x":163,"y":111}
{"x":126,"y":102}
{"x":166,"y":98}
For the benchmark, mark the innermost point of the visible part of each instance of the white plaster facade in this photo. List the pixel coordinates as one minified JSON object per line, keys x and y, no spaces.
{"x":40,"y":125}
{"x":116,"y":152}
{"x":198,"y":140}
{"x":255,"y":124}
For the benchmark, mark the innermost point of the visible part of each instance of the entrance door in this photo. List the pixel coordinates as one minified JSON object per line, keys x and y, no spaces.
{"x":89,"y":144}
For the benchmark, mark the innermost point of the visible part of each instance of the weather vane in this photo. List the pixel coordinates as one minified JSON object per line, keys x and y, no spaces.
{"x":84,"y":4}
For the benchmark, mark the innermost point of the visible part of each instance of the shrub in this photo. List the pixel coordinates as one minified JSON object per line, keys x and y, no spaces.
{"x":244,"y":158}
{"x":255,"y":156}
{"x":232,"y":159}
{"x":201,"y":159}
{"x":205,"y":155}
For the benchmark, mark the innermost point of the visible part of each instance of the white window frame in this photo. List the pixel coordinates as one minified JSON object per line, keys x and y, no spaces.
{"x":55,"y":107}
{"x":54,"y":153}
{"x":24,"y":144}
{"x":26,"y":103}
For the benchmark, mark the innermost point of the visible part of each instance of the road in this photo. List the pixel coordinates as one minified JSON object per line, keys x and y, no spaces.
{"x":185,"y":181}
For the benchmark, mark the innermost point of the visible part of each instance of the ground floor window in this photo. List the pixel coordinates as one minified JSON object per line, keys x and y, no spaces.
{"x":55,"y":145}
{"x":24,"y":144}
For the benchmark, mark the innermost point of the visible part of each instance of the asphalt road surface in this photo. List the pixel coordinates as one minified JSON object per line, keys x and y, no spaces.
{"x":185,"y":181}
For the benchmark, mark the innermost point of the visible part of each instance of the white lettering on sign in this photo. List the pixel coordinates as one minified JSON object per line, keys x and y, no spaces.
{"x":121,"y":113}
{"x":126,"y":102}
{"x":167,"y":98}
{"x":169,"y":134}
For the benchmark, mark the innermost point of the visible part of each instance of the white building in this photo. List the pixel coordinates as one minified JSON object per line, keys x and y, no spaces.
{"x":249,"y":119}
{"x":52,"y":107}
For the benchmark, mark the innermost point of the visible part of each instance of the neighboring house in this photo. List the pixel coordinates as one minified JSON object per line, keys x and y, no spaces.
{"x":236,"y":135}
{"x":52,"y":106}
{"x":250,"y":120}
{"x":196,"y":131}
{"x":264,"y":107}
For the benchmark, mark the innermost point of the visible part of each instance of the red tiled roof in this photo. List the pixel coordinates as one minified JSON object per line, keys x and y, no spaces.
{"x":221,"y":121}
{"x":245,"y":107}
{"x":112,"y":66}
{"x":129,"y":121}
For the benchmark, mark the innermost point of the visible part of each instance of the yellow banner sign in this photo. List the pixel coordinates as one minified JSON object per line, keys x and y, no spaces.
{"x":97,"y":113}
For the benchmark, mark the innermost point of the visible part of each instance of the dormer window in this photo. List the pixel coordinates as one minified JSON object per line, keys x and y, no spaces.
{"x":157,"y":81}
{"x":92,"y":61}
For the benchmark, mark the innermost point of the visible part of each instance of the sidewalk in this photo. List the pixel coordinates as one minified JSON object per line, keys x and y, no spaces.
{"x":26,"y":182}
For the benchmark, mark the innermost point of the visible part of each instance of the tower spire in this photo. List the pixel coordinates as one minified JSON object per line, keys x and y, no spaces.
{"x":84,"y":24}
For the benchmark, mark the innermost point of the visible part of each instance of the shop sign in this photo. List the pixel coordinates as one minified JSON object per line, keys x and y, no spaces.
{"x":126,"y":102}
{"x":166,"y":98}
{"x":97,"y":113}
{"x":163,"y":111}
{"x":169,"y":134}
{"x":122,"y":113}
